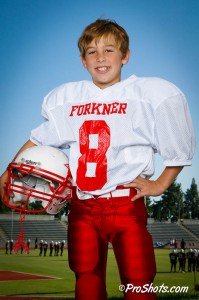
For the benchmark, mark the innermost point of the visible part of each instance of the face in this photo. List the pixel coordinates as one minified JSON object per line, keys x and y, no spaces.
{"x":104,"y":61}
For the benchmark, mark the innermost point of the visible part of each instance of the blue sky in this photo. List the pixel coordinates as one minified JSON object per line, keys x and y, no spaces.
{"x":38,"y":52}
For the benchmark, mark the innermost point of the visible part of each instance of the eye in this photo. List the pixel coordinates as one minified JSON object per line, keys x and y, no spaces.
{"x":91,"y":52}
{"x":109,"y":50}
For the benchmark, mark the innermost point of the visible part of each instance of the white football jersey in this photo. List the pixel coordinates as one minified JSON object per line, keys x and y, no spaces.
{"x":113,"y":133}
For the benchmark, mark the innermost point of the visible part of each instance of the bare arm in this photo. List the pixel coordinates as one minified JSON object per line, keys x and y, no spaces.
{"x":4,"y":176}
{"x":156,"y":187}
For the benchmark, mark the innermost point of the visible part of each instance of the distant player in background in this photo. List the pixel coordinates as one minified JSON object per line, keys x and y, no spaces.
{"x":11,"y":242}
{"x":58,"y":248}
{"x":190,"y":258}
{"x":45,"y":247}
{"x":197,"y":260}
{"x":55,"y":248}
{"x":36,"y":243}
{"x":7,"y":246}
{"x":62,"y":244}
{"x":182,"y":260}
{"x":182,"y":244}
{"x":28,"y":245}
{"x":51,"y":246}
{"x":173,"y":260}
{"x":112,"y":129}
{"x":41,"y":245}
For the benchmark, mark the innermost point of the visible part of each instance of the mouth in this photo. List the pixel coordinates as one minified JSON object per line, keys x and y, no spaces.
{"x":102,"y":69}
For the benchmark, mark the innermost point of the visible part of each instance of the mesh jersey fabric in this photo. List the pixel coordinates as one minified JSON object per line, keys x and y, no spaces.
{"x":112,"y":134}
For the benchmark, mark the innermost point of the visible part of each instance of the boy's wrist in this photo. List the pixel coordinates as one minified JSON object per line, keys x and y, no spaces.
{"x":168,"y":176}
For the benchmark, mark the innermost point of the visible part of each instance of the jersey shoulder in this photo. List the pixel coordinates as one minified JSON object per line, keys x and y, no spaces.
{"x":65,"y":92}
{"x":155,"y":90}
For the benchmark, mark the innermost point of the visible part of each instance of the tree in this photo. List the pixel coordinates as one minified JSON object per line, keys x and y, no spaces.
{"x":170,"y":206}
{"x":191,"y":202}
{"x":149,"y":206}
{"x":157,"y":210}
{"x":172,"y":200}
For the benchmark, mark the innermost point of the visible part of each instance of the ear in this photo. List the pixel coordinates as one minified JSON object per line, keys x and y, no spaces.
{"x":125,"y":59}
{"x":83,"y":62}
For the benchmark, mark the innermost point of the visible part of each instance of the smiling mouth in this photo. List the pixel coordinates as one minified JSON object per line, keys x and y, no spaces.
{"x":102,"y":70}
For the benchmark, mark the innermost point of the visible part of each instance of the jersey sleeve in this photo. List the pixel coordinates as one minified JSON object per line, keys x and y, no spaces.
{"x":47,"y":133}
{"x":174,"y":133}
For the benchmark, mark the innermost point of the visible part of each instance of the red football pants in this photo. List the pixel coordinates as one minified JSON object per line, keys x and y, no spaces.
{"x":95,"y":222}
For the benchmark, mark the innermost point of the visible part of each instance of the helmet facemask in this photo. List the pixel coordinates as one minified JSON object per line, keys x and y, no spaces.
{"x":32,"y":189}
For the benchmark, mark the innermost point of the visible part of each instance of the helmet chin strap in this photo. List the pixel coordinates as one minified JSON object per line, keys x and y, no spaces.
{"x":20,"y":243}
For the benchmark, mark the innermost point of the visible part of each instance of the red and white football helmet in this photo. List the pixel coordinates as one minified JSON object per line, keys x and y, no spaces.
{"x":39,"y":173}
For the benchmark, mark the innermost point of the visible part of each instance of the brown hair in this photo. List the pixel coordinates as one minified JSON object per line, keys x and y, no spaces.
{"x":104,"y":27}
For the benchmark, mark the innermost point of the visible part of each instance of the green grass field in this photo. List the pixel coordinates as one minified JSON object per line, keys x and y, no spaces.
{"x":63,"y":286}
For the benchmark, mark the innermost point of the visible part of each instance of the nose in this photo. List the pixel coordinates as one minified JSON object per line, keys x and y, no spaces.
{"x":100,"y":57}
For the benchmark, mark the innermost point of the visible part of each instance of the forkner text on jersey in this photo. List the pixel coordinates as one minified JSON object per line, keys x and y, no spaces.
{"x":98,"y":109}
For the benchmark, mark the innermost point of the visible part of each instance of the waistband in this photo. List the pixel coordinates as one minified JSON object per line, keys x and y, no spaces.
{"x":119,"y":192}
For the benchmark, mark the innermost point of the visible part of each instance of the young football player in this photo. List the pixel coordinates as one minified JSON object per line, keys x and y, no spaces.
{"x":112,"y":128}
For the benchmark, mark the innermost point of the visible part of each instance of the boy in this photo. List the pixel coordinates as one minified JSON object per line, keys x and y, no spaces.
{"x":112,"y":129}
